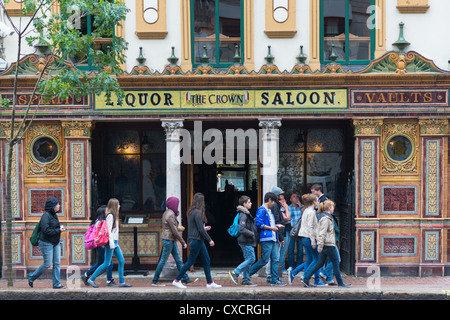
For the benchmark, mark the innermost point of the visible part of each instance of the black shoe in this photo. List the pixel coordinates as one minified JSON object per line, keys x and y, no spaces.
{"x":84,"y":278}
{"x":345,"y":285}
{"x":234,"y":277}
{"x":306,"y":283}
{"x":30,"y":283}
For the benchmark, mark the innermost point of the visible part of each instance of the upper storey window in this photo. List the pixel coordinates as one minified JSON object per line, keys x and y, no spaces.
{"x":216,"y":30}
{"x":349,"y":26}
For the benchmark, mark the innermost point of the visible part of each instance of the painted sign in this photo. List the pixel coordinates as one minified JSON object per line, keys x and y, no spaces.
{"x":399,"y":98}
{"x":228,"y":99}
{"x":23,"y":99}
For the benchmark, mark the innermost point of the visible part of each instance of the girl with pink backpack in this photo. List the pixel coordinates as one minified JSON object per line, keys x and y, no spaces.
{"x":112,"y":247}
{"x":99,"y":250}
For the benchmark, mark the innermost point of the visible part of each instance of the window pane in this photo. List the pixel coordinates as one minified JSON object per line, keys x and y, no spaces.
{"x":154,"y":181}
{"x":334,"y":28}
{"x":290,"y":172}
{"x":229,"y":28}
{"x":204,"y":29}
{"x":325,"y":169}
{"x":122,"y":142}
{"x":359,"y":33}
{"x":325,"y":140}
{"x":124,"y":181}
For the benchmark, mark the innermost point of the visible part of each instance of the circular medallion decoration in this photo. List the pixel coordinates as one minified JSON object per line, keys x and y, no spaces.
{"x":399,"y":148}
{"x":45,"y":150}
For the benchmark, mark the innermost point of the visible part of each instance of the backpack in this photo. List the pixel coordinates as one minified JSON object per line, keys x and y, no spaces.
{"x":101,"y":234}
{"x":89,"y":242}
{"x":35,"y":236}
{"x":233,"y":230}
{"x":296,"y":229}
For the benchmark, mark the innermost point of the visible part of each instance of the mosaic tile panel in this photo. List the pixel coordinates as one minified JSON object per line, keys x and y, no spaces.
{"x":78,"y":249}
{"x":147,"y":244}
{"x":432,"y":177}
{"x":367,"y":178}
{"x":431,"y":245}
{"x":367,"y":246}
{"x":399,"y":199}
{"x":38,"y":196}
{"x":398,"y":246}
{"x":77,"y":193}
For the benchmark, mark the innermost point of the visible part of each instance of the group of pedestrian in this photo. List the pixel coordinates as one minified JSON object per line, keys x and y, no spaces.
{"x":50,"y":246}
{"x":270,"y":227}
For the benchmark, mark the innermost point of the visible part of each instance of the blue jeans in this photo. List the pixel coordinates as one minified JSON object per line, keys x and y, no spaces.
{"x":268,"y":251}
{"x":328,"y":269}
{"x":283,"y":250}
{"x":169,"y":247}
{"x":311,"y":257}
{"x":291,"y":253}
{"x":332,"y":253}
{"x":249,"y":259}
{"x":51,"y":254}
{"x":100,"y":259}
{"x":197,"y":249}
{"x":108,"y":259}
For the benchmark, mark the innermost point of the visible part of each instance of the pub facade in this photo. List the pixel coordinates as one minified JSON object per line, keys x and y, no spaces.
{"x":363,"y":116}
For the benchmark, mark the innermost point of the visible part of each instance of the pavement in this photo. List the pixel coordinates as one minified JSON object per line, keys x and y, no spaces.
{"x":363,"y":288}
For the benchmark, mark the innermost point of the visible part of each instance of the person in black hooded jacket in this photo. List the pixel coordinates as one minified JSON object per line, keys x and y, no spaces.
{"x":49,"y":243}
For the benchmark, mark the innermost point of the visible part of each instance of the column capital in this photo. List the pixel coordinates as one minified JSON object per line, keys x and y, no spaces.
{"x":170,"y":127}
{"x":271,"y":126}
{"x":433,"y":127}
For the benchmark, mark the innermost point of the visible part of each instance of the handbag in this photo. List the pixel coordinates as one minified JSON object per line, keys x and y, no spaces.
{"x":295,"y":230}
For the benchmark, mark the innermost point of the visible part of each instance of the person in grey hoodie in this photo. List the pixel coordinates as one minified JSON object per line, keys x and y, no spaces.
{"x":247,"y":240}
{"x":171,"y":232}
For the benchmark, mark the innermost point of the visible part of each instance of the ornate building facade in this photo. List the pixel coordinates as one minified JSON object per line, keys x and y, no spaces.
{"x":357,"y":109}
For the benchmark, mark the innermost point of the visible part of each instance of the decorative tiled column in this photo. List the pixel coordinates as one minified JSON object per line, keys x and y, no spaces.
{"x":77,"y":135}
{"x":173,"y":178}
{"x":367,"y":135}
{"x":269,"y":157}
{"x":434,"y":233}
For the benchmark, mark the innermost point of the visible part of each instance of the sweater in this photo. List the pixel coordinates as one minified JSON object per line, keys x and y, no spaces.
{"x":196,"y":227}
{"x":113,"y":230}
{"x":308,"y":228}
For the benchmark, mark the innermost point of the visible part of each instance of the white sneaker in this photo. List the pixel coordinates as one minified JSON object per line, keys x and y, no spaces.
{"x":213,"y":285}
{"x":178,"y":284}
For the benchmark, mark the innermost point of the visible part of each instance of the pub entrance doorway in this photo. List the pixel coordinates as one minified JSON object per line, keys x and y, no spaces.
{"x":309,"y":152}
{"x":222,"y":184}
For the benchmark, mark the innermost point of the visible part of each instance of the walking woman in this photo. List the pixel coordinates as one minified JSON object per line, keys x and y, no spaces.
{"x":100,"y":215}
{"x":326,"y":246}
{"x":49,"y":243}
{"x":112,"y":219}
{"x":308,"y":232}
{"x":197,"y":234}
{"x":170,"y":235}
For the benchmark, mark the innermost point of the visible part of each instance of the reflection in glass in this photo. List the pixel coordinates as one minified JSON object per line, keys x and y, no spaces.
{"x":217,"y":28}
{"x":122,"y":142}
{"x":325,"y":169}
{"x":399,"y":148}
{"x":154,"y":181}
{"x":290,"y":172}
{"x":345,"y":27}
{"x":124,"y":180}
{"x":329,"y":140}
